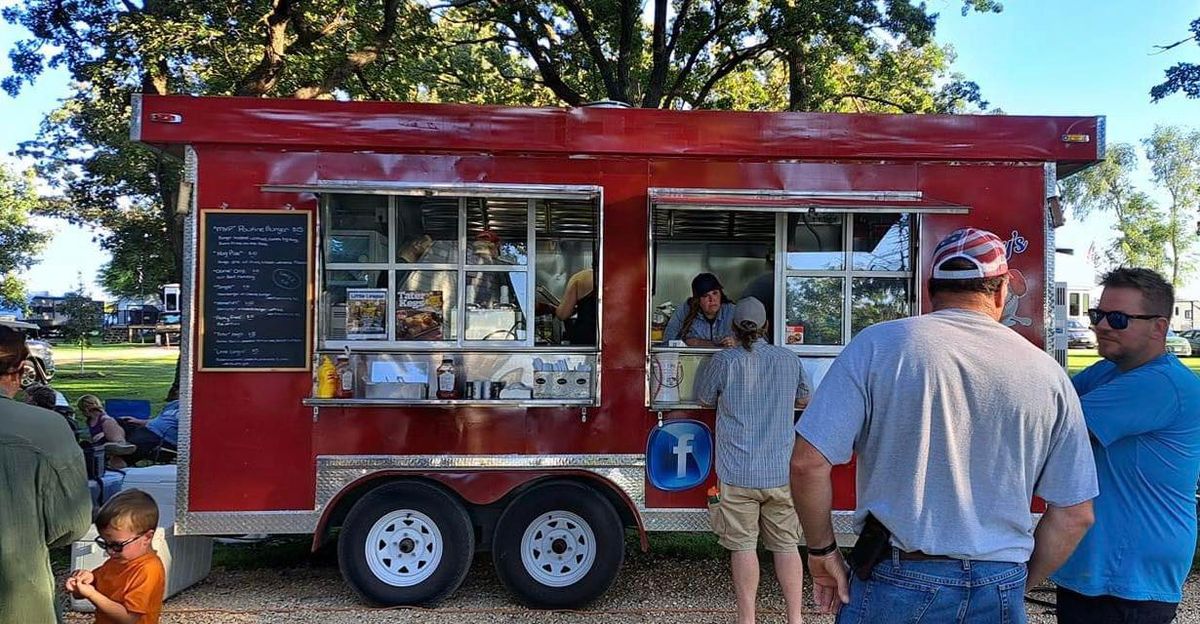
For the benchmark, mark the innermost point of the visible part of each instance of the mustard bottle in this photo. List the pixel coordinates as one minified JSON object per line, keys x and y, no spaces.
{"x":326,"y":379}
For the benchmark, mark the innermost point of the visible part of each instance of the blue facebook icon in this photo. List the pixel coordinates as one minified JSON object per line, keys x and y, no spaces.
{"x":679,"y":455}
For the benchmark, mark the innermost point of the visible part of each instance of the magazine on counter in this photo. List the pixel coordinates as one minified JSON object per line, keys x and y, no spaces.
{"x":366,"y":314}
{"x":419,"y":315}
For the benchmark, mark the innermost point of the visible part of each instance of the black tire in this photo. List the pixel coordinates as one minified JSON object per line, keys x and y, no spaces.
{"x":561,"y":518}
{"x":406,"y":524}
{"x":30,"y":374}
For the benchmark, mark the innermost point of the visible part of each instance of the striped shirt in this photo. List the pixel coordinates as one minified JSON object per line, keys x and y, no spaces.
{"x":755,"y":393}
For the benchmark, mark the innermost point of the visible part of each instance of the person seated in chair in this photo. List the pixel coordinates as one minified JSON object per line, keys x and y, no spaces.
{"x":152,"y":436}
{"x":104,"y":430}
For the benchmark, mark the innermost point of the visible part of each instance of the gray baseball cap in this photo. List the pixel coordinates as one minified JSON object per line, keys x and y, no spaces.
{"x":749,"y":314}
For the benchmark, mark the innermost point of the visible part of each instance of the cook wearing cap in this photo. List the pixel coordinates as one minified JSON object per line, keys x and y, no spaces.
{"x":706,"y":320}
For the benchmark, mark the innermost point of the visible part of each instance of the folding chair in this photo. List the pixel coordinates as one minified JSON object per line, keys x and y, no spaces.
{"x":120,"y":408}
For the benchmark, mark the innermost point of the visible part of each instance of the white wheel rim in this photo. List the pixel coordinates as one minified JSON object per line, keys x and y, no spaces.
{"x":558,"y":549}
{"x":403,"y":548}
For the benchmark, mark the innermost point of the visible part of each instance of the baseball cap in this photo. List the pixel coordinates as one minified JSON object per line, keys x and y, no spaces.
{"x":749,"y":314}
{"x":982,"y":249}
{"x":705,"y":282}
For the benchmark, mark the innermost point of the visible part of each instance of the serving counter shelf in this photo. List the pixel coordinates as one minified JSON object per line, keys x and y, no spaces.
{"x":543,"y":403}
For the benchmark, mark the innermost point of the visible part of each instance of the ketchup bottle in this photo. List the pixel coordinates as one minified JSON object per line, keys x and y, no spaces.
{"x":447,"y":380}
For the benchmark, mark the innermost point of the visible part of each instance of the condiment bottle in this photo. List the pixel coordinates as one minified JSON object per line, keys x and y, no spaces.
{"x":345,"y":377}
{"x":447,"y":380}
{"x":326,"y":379}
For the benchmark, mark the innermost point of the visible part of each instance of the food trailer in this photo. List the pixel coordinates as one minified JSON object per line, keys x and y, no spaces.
{"x":375,"y":343}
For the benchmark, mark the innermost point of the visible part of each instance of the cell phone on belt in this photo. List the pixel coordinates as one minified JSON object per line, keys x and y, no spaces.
{"x":873,"y":546}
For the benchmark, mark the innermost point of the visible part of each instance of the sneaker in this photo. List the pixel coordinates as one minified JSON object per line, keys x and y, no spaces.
{"x":119,"y":448}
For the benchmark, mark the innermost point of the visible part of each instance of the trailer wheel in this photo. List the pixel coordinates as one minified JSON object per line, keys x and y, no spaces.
{"x":406,"y":544}
{"x":30,"y":374}
{"x":559,"y":546}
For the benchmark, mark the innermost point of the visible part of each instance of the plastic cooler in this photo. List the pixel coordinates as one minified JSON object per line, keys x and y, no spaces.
{"x":159,"y":482}
{"x":186,"y":559}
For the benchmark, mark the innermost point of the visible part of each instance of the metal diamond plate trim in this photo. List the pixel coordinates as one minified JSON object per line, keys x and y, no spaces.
{"x":1050,"y":173}
{"x":186,"y":348}
{"x":696,"y":520}
{"x":243,"y":522}
{"x":659,"y":519}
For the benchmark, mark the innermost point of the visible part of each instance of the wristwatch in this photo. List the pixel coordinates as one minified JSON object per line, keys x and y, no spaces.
{"x":821,"y":552}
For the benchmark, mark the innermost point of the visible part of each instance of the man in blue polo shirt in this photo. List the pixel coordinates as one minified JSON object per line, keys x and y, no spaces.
{"x":153,"y":435}
{"x":1142,"y":408}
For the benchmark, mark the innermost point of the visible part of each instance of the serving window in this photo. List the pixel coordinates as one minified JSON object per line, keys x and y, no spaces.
{"x":839,"y":272}
{"x":434,"y":271}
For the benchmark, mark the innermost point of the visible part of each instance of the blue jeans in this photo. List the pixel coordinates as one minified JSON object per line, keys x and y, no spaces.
{"x":937,"y":592}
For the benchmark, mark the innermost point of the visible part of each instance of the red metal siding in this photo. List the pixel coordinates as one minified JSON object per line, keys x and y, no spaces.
{"x":254,"y":444}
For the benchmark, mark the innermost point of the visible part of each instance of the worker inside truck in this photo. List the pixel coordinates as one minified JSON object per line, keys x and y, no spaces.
{"x":706,"y":319}
{"x":828,"y":273}
{"x":420,"y":269}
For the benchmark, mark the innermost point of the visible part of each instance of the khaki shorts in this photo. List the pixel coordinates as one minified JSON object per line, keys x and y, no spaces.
{"x":739,"y":514}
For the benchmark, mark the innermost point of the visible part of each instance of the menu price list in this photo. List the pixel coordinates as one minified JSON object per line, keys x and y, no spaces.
{"x":255,"y":290}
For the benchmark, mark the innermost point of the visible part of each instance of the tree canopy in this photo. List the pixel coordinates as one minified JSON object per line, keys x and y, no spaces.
{"x":1183,"y":77}
{"x":20,"y":240}
{"x":802,"y":55}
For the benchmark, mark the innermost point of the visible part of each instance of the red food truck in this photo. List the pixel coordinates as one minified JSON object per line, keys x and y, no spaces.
{"x":440,"y":328}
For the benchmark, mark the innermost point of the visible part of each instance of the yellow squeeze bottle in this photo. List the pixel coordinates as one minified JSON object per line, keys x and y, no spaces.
{"x":326,"y":379}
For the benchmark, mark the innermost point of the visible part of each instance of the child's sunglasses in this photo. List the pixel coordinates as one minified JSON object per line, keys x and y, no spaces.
{"x":115,"y":547}
{"x":1117,"y":320}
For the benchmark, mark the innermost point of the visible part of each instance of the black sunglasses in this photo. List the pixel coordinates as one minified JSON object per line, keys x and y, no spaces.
{"x":117,"y":547}
{"x":1117,"y":320}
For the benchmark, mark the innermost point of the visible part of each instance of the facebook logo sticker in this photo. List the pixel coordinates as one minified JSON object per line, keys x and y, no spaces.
{"x":679,"y":455}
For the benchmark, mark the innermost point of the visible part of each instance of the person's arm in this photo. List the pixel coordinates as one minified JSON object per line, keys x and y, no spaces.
{"x":64,"y":499}
{"x":109,"y":607}
{"x":1056,"y":536}
{"x":803,"y":389}
{"x":675,"y":324}
{"x":812,"y":494}
{"x":709,"y":380}
{"x":139,"y":422}
{"x":112,"y":429}
{"x":570,"y":299}
{"x":1134,"y":403}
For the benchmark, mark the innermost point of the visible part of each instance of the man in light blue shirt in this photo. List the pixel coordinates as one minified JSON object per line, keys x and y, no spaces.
{"x":1142,"y":408}
{"x":153,"y":435}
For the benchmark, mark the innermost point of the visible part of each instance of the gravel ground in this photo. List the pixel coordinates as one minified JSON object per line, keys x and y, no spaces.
{"x":669,"y":588}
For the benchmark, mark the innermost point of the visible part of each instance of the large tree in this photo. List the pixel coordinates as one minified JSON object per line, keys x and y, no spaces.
{"x":1108,"y":188}
{"x":827,"y":55}
{"x":1174,"y":155}
{"x":20,"y":240}
{"x":1183,"y":77}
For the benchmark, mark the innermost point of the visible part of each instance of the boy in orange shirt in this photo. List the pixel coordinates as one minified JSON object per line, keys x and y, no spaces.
{"x":128,"y":588}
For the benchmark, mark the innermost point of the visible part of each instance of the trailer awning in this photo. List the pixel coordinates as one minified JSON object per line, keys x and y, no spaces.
{"x":376,"y":187}
{"x":801,"y":201}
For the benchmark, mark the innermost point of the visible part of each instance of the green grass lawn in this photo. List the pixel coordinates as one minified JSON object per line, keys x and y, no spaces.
{"x":1079,"y":359}
{"x":121,"y":371}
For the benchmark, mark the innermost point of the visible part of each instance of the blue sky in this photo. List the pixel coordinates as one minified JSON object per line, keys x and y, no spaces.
{"x":1060,"y":57}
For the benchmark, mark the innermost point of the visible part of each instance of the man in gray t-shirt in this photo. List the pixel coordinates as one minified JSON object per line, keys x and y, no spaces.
{"x":957,"y":422}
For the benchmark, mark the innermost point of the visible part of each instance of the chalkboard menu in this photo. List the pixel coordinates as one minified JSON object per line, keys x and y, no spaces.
{"x":255,"y":293}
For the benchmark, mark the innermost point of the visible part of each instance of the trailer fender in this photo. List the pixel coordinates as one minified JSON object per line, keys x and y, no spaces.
{"x":477,"y":488}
